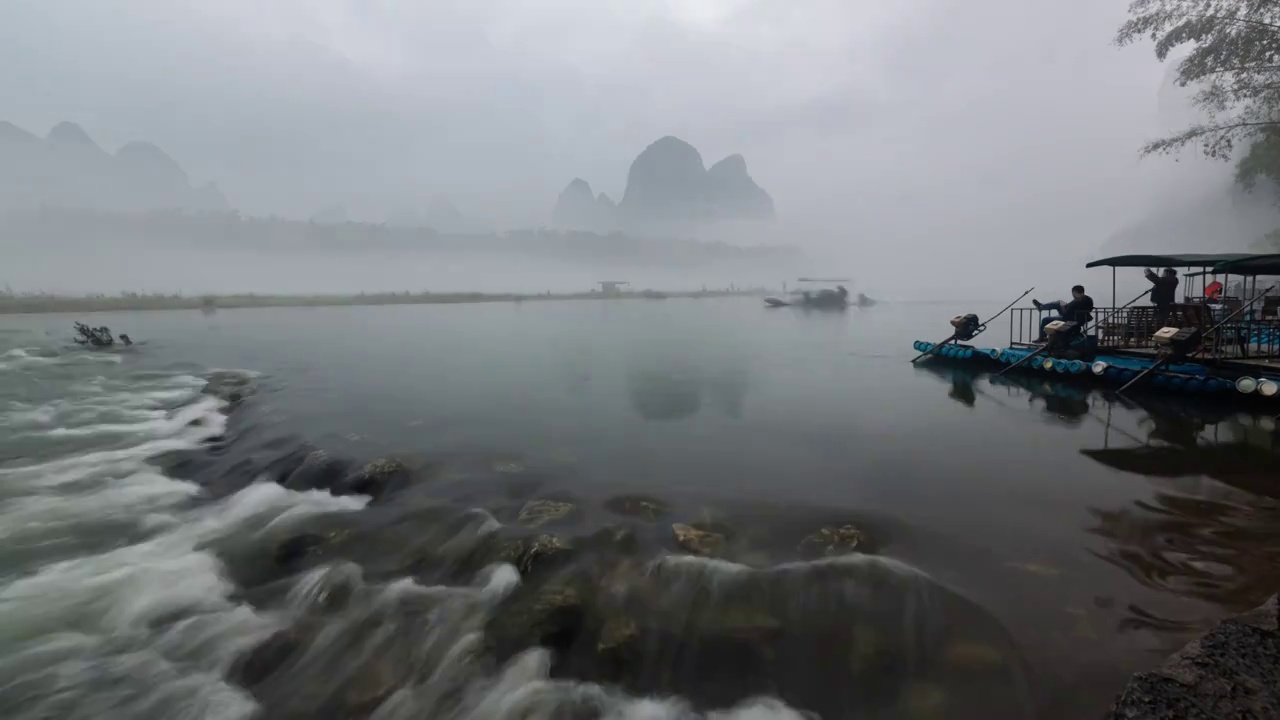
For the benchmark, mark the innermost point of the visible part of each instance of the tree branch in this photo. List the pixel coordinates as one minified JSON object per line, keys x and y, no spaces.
{"x":1239,"y":68}
{"x":1242,"y":21}
{"x":1181,"y":139}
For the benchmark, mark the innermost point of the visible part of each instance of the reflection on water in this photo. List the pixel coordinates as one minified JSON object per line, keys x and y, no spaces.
{"x":1210,"y":531}
{"x":1062,"y":401}
{"x":671,"y":388}
{"x":1211,"y":528}
{"x":665,"y":395}
{"x":876,"y":542}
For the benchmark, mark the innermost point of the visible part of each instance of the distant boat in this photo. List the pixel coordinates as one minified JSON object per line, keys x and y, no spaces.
{"x":811,"y":295}
{"x":653,"y":295}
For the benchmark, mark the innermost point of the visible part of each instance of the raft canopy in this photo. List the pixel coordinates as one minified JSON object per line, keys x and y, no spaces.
{"x":1251,"y":265}
{"x":1184,"y":260}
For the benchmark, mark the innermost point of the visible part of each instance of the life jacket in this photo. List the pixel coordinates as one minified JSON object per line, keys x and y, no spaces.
{"x":1213,"y":290}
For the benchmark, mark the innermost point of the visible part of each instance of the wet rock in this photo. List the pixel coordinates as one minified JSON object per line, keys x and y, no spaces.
{"x":616,"y":539}
{"x":231,"y":387}
{"x":378,"y":479}
{"x":508,"y":467}
{"x":742,"y":622}
{"x":264,"y":660}
{"x":537,"y":513}
{"x":293,"y":552}
{"x":831,"y":541}
{"x":638,"y":507}
{"x":371,"y":686}
{"x":535,"y":554}
{"x":697,"y":540}
{"x":616,"y":633}
{"x":1233,"y":671}
{"x":552,"y":615}
{"x":925,"y":701}
{"x":318,"y":471}
{"x":964,"y":655}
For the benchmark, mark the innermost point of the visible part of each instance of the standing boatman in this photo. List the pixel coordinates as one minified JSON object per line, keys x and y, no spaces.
{"x":1163,"y":287}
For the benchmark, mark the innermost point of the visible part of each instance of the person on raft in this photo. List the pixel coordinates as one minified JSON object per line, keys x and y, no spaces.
{"x":1163,"y":287}
{"x":1078,"y":310}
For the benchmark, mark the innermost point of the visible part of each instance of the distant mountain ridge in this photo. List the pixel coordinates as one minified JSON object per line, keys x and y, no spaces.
{"x":67,"y":168}
{"x":668,"y":188}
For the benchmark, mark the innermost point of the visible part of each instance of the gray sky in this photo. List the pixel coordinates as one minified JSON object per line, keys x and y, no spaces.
{"x":880,"y":128}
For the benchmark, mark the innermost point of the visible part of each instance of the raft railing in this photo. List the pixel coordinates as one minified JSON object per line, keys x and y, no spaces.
{"x":1253,"y":337}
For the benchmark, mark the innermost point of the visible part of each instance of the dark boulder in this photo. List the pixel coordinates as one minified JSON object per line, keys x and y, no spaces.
{"x":1233,"y":671}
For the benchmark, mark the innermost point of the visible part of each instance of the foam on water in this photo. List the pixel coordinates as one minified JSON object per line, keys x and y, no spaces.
{"x":17,"y":359}
{"x":111,"y":605}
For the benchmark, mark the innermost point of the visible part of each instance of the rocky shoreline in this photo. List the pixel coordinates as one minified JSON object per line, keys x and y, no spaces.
{"x":1233,"y":671}
{"x":37,"y":304}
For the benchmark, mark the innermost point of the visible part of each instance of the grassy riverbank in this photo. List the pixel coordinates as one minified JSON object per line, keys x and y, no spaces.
{"x":11,"y":304}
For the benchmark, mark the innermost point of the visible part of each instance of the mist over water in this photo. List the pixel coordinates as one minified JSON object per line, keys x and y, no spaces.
{"x":637,"y":508}
{"x":165,"y":555}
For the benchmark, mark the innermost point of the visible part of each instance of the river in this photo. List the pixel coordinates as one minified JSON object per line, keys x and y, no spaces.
{"x":623,"y":509}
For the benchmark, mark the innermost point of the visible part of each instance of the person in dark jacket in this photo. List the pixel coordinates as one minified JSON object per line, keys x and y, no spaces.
{"x":1163,"y":287}
{"x":1078,"y":310}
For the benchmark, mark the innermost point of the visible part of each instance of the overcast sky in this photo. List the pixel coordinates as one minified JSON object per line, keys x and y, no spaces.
{"x":961,"y":125}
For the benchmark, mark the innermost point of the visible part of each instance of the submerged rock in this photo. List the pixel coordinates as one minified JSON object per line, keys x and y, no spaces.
{"x":551,"y":615}
{"x":318,"y":471}
{"x":617,"y":632}
{"x":371,"y":686}
{"x":697,"y":540}
{"x":830,"y":541}
{"x":639,"y":507}
{"x":229,"y":386}
{"x":537,"y":513}
{"x":967,"y":655}
{"x":269,"y":657}
{"x":377,"y":479}
{"x":536,"y":553}
{"x":292,"y":552}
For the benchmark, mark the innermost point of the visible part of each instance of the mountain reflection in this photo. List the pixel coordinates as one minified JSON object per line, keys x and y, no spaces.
{"x":664,"y":395}
{"x":677,"y":391}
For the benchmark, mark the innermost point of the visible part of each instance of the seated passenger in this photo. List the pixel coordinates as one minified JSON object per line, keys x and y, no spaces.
{"x":1078,"y":310}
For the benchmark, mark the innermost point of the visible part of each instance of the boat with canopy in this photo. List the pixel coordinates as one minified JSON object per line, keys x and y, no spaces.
{"x":1222,"y":335}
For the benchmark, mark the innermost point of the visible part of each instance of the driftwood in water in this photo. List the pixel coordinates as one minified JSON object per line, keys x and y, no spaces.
{"x":98,"y":337}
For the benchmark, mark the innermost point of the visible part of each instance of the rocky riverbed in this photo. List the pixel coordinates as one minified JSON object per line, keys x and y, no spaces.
{"x":464,"y":579}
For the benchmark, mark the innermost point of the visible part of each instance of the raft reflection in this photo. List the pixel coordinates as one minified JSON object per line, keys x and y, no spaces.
{"x":1210,"y":529}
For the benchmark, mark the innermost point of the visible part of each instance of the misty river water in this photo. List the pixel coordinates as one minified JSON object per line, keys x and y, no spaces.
{"x":616,"y":509}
